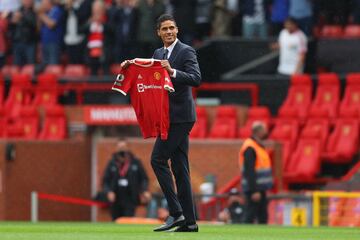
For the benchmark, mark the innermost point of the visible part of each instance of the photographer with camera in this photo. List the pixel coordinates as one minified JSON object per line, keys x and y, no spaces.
{"x":125,"y":182}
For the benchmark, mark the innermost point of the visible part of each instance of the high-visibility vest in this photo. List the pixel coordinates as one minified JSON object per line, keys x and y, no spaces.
{"x":264,"y":180}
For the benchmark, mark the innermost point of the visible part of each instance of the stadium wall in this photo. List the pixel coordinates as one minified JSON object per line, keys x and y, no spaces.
{"x":59,"y":167}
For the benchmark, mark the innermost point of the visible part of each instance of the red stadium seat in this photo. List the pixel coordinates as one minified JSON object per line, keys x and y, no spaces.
{"x":200,"y":127}
{"x":285,"y":130}
{"x":28,"y":69}
{"x":3,"y":122}
{"x":2,"y":90}
{"x":26,"y":126}
{"x":298,"y":100}
{"x":55,"y":69}
{"x":225,"y":123}
{"x":304,"y":164}
{"x":75,"y":71}
{"x":19,"y":95}
{"x":9,"y":70}
{"x":343,"y":142}
{"x":316,"y":129}
{"x":350,"y":104}
{"x":255,"y":114}
{"x":352,"y":31}
{"x":46,"y":92}
{"x":54,"y":124}
{"x":332,"y":31}
{"x":327,"y":97}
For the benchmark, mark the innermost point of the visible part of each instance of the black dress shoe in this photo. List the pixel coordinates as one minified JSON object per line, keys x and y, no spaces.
{"x":187,"y":228}
{"x":170,"y":223}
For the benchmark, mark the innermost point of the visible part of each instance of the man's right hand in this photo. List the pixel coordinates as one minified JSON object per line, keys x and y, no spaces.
{"x":125,"y":64}
{"x":111,"y":196}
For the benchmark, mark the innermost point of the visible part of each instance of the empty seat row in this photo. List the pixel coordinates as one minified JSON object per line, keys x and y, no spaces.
{"x":68,"y":71}
{"x":326,"y":103}
{"x":21,"y":93}
{"x":337,"y":31}
{"x":28,"y":124}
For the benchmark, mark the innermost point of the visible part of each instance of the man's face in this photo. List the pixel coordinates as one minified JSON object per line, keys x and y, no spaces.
{"x":290,"y":26}
{"x":168,"y":32}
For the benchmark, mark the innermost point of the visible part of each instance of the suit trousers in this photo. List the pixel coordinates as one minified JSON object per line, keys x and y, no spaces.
{"x":176,"y":149}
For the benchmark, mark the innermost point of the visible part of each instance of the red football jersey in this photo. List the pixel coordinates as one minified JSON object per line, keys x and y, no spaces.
{"x":148,"y":84}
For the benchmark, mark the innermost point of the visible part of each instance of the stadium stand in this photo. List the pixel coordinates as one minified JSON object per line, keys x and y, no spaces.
{"x":200,"y":127}
{"x":55,"y":127}
{"x":343,"y":142}
{"x":57,"y":70}
{"x":326,"y":102}
{"x":2,"y":90}
{"x":225,"y":123}
{"x":331,"y":31}
{"x":26,"y":126}
{"x":19,"y":95}
{"x":260,"y":113}
{"x":46,"y":90}
{"x":316,"y":129}
{"x":28,"y":69}
{"x":298,"y":100}
{"x":75,"y":71}
{"x":352,"y":31}
{"x":304,"y":164}
{"x":350,"y":104}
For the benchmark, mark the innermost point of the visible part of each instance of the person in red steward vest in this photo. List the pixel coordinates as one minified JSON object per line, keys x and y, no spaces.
{"x":256,"y":172}
{"x":97,"y":31}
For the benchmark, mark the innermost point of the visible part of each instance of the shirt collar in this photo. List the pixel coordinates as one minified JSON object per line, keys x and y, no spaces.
{"x":171,"y":47}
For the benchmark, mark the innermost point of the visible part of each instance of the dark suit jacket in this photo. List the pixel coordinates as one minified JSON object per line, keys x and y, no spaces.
{"x":181,"y":102}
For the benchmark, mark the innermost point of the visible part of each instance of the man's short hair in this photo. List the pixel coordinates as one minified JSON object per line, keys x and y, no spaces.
{"x":293,"y":21}
{"x":257,"y":126}
{"x":163,"y":18}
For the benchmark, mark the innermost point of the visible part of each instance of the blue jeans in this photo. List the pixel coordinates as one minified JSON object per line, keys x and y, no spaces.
{"x":24,"y":53}
{"x":51,"y":53}
{"x":254,"y":30}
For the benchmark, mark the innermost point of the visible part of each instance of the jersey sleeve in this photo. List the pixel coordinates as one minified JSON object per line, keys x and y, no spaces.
{"x":122,"y":83}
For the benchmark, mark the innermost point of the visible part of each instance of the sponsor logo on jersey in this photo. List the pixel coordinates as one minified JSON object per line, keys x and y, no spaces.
{"x":120,"y":77}
{"x":142,"y":87}
{"x":157,"y":75}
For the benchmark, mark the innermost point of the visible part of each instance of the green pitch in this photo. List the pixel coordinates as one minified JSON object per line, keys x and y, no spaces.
{"x":109,"y":231}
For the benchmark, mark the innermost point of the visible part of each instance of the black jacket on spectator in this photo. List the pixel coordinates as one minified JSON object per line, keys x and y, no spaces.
{"x":136,"y":176}
{"x":25,"y":30}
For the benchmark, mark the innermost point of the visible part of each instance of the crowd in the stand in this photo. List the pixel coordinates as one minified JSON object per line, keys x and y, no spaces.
{"x":101,"y":32}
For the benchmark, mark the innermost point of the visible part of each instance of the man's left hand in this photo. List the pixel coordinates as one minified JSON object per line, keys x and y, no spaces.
{"x":165,"y":64}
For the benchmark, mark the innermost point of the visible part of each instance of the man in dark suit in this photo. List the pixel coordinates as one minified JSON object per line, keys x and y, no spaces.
{"x":181,"y":63}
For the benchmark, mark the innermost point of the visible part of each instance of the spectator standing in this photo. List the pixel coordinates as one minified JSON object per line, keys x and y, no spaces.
{"x":97,"y":32}
{"x":148,"y":12}
{"x":254,"y":18}
{"x":302,"y":12}
{"x":184,"y":13}
{"x":3,"y":31}
{"x":224,"y":11}
{"x":255,"y":165}
{"x":23,"y":33}
{"x":203,"y":19}
{"x":52,"y":30}
{"x":125,"y":182}
{"x":279,"y":13}
{"x":355,"y":11}
{"x":292,"y":43}
{"x":77,"y":13}
{"x":124,"y":19}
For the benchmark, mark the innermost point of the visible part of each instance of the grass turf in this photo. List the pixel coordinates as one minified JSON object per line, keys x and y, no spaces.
{"x":109,"y":231}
